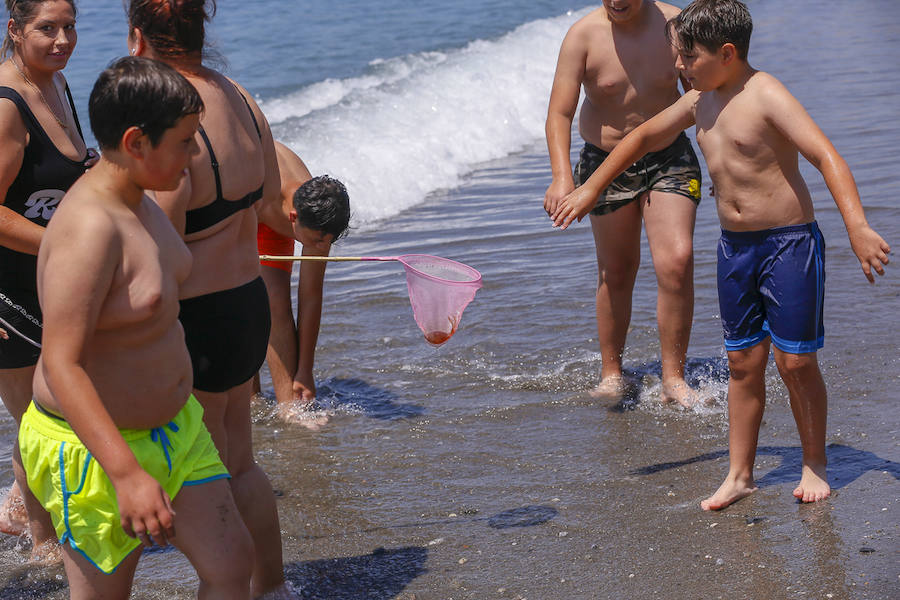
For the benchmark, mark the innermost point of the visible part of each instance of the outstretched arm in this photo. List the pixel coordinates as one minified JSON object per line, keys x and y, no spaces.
{"x":309,"y":316}
{"x":74,"y":281}
{"x":650,"y":134}
{"x":791,"y":119}
{"x":560,"y":114}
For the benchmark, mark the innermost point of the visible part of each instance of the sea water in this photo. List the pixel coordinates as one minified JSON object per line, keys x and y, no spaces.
{"x":481,"y":468}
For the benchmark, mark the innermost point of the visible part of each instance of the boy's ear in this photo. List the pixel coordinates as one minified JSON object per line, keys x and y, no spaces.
{"x":292,"y":215}
{"x":134,"y":142}
{"x":728,"y":52}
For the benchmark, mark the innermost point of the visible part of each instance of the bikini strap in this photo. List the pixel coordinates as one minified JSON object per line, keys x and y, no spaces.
{"x":252,"y":116}
{"x":213,"y":161}
{"x":74,"y":112}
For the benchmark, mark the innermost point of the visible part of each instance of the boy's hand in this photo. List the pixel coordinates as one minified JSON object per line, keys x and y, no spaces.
{"x":574,"y":207}
{"x":555,"y":193}
{"x":145,"y":509}
{"x":871,"y":250}
{"x":304,"y":388}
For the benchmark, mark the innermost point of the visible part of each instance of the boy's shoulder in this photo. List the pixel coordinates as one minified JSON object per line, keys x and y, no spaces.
{"x":83,"y":209}
{"x":768,"y":96}
{"x":592,"y":23}
{"x":762,"y":89}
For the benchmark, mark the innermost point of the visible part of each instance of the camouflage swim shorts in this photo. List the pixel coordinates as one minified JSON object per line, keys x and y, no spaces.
{"x":674,"y":169}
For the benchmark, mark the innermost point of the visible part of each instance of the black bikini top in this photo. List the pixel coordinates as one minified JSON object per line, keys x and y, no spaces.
{"x":220,"y":209}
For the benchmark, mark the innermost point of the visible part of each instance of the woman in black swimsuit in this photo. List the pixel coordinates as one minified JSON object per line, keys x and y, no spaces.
{"x":43,"y":154}
{"x":224,"y":308}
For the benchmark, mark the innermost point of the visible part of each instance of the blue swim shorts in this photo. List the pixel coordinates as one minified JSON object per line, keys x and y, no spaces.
{"x":772,"y":282}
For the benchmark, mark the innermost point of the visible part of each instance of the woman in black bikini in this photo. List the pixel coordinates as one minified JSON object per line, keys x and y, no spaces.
{"x":224,"y":308}
{"x":43,"y":154}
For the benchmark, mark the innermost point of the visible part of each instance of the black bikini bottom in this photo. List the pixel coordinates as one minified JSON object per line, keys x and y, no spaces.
{"x":227,"y":334}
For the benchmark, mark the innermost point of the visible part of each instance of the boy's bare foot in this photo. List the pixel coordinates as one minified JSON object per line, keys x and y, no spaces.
{"x":813,"y":485}
{"x":611,"y":386}
{"x":301,"y":413}
{"x":731,"y":490}
{"x":680,"y":392}
{"x":13,"y":518}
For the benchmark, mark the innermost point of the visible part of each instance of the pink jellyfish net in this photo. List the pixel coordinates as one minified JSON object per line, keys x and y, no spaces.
{"x":439,"y":291}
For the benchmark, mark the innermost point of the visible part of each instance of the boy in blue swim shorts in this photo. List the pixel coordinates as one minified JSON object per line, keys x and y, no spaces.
{"x":771,"y":254}
{"x":114,"y":445}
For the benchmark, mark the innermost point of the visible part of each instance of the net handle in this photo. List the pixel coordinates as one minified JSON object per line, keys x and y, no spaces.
{"x":476,"y":280}
{"x":326,"y":258}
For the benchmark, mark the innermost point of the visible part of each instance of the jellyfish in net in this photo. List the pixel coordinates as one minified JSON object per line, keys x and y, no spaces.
{"x":439,"y":291}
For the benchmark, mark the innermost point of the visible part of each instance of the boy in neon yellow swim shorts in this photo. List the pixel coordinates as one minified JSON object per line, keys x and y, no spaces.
{"x":76,"y":491}
{"x":114,"y":445}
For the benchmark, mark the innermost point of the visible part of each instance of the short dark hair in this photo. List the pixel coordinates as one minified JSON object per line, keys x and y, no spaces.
{"x":322,"y":204}
{"x":712,"y":24}
{"x":139,"y":92}
{"x":22,"y":13}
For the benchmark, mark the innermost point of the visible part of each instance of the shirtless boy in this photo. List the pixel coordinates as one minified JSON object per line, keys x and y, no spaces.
{"x":315,"y":212}
{"x":750,"y":130}
{"x":620,"y":55}
{"x":114,"y":444}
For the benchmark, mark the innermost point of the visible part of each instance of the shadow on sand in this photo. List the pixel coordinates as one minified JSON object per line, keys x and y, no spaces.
{"x":377,"y":576}
{"x":358,"y":396}
{"x":845,"y":464}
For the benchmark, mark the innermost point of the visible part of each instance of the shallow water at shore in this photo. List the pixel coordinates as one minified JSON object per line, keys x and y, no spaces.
{"x":482,"y":468}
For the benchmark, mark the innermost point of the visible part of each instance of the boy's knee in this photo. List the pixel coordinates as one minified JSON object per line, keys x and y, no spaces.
{"x":796,"y":365}
{"x":675,"y":275}
{"x":618,"y":275}
{"x":745,"y":365}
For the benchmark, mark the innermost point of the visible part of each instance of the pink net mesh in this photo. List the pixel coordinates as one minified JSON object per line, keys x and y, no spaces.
{"x":439,"y":291}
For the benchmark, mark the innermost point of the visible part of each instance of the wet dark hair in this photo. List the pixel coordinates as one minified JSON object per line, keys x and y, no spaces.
{"x":22,"y":13}
{"x":139,"y":92}
{"x":322,"y":204}
{"x":173,"y":28}
{"x":712,"y":24}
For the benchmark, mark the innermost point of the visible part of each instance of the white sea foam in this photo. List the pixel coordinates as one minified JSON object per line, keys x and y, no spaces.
{"x":415,"y":124}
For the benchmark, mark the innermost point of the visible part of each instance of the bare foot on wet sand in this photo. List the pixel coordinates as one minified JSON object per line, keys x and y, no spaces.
{"x":813,"y":485}
{"x":611,"y":386}
{"x":47,"y":554}
{"x":728,"y":493}
{"x":13,"y":518}
{"x":678,"y":391}
{"x":300,"y":413}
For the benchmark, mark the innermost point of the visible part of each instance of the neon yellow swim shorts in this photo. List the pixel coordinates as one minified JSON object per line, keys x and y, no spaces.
{"x":80,"y":497}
